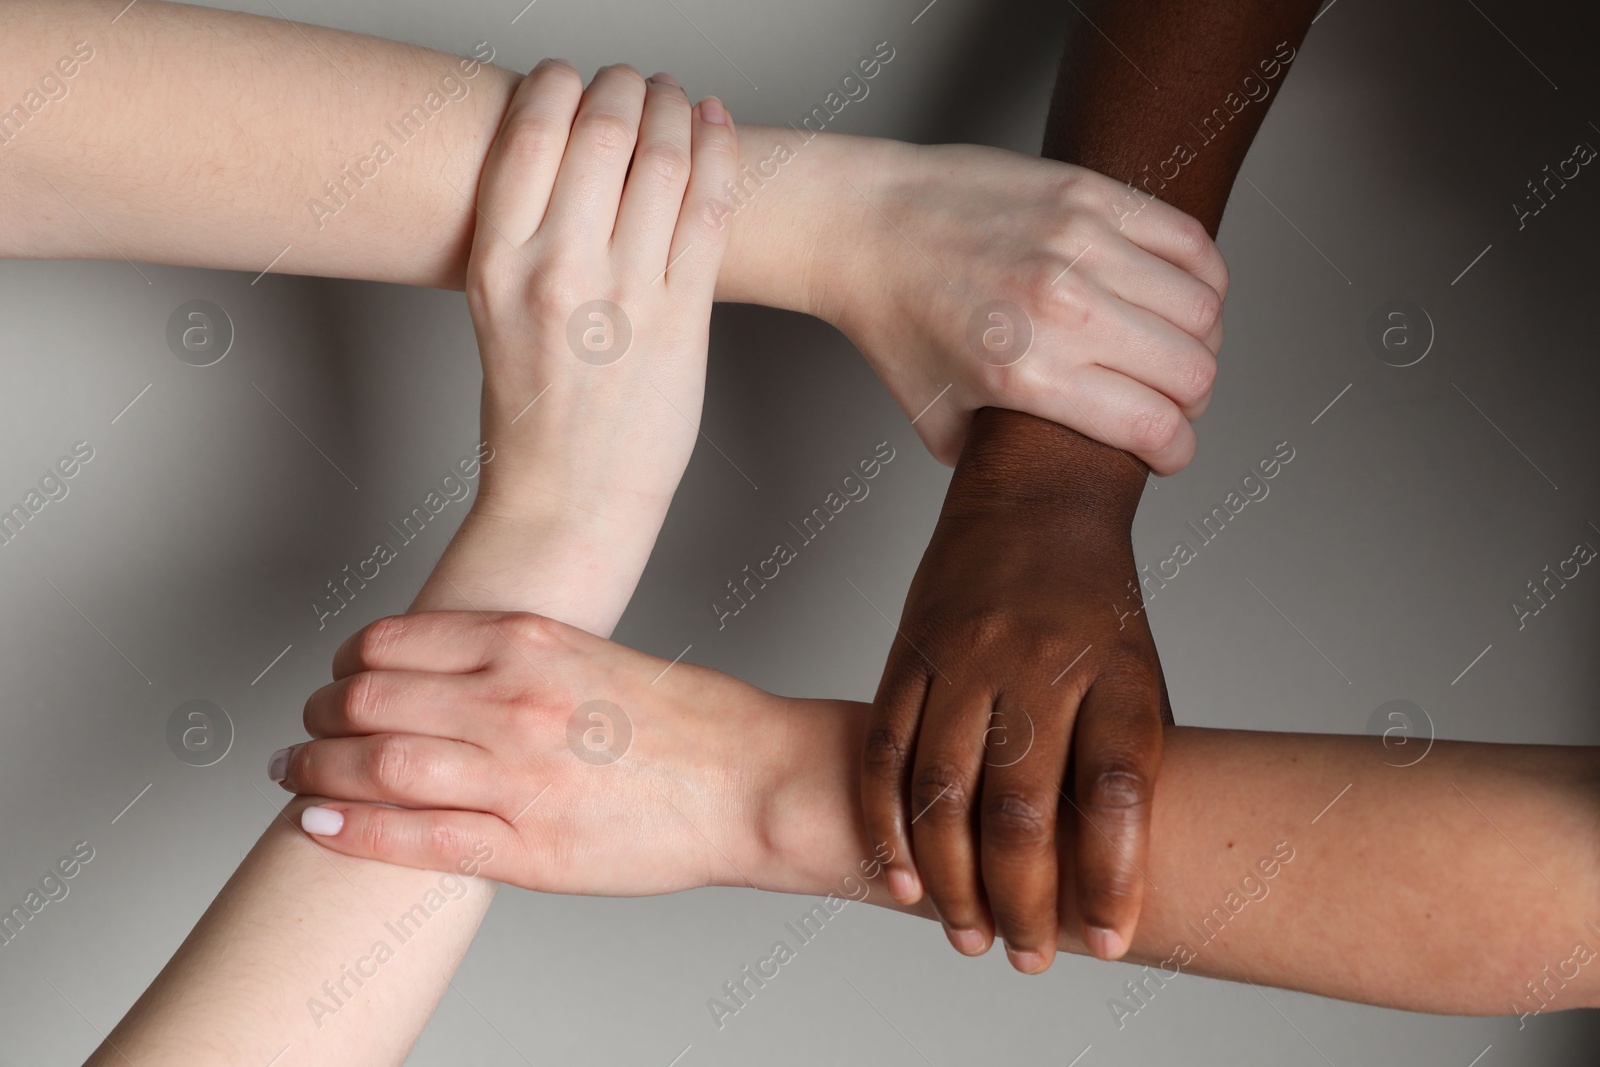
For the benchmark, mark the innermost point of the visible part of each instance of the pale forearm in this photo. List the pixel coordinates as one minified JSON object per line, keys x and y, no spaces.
{"x":206,"y":138}
{"x":1402,"y":892}
{"x":249,"y":978}
{"x":290,"y":916}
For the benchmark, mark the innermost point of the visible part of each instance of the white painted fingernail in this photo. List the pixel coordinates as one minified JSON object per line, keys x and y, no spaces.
{"x":324,"y":822}
{"x":278,"y":765}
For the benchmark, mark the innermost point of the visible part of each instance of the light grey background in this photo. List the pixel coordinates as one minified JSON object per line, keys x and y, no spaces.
{"x":192,"y":544}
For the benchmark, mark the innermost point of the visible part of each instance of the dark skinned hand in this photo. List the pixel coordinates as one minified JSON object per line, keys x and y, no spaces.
{"x":1023,"y":662}
{"x":1016,"y":730}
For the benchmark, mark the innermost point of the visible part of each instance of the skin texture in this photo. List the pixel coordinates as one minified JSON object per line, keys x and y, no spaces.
{"x":261,"y":972}
{"x":1440,"y":880}
{"x":1031,"y":564}
{"x":154,"y":155}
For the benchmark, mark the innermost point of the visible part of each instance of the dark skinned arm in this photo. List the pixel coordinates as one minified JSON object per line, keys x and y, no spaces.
{"x":1025,"y":660}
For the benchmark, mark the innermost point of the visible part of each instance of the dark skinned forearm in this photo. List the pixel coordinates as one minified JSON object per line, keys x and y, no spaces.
{"x":1024,"y":622}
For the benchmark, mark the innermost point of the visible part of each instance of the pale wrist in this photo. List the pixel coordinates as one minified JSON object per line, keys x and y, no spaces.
{"x":807,"y":815}
{"x":797,"y":222}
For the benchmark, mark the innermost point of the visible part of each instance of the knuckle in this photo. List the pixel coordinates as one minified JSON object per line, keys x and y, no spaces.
{"x":1193,"y":240}
{"x":447,"y":840}
{"x":390,"y":763}
{"x":547,"y":301}
{"x":1200,"y":374}
{"x":379,"y":832}
{"x":607,"y":134}
{"x":530,"y":139}
{"x":1070,"y":234}
{"x":1118,"y":786}
{"x":360,"y":705}
{"x":666,"y":162}
{"x":941,"y":792}
{"x":531,"y":714}
{"x":528,"y":630}
{"x":1205,"y":311}
{"x":988,"y":626}
{"x":1156,"y":428}
{"x":887,"y":755}
{"x":1132,"y":676}
{"x":1065,"y":294}
{"x":1005,"y":382}
{"x":378,"y":638}
{"x":1018,"y":819}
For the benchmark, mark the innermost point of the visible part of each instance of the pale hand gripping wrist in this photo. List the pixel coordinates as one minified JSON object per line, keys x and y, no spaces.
{"x":973,"y":277}
{"x":590,"y":285}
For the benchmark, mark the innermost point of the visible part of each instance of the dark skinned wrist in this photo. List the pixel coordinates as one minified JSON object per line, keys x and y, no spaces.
{"x":1017,"y":461}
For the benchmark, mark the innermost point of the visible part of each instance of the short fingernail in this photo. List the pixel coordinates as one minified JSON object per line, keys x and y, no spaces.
{"x":550,"y":61}
{"x":1106,"y":944}
{"x":1026,"y":960}
{"x":902,"y":886}
{"x":278,"y":765}
{"x":711,"y":110}
{"x":324,"y":822}
{"x":664,"y":78}
{"x":967,"y":942}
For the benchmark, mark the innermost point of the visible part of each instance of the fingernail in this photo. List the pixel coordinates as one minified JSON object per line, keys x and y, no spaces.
{"x":664,"y":78}
{"x":1027,"y":961}
{"x":324,"y":822}
{"x":712,"y":111}
{"x":1103,"y":943}
{"x":967,"y":942}
{"x":553,"y":59}
{"x":278,"y":765}
{"x":902,"y":886}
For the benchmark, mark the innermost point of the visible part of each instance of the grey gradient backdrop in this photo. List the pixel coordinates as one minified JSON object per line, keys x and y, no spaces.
{"x":1415,"y":509}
